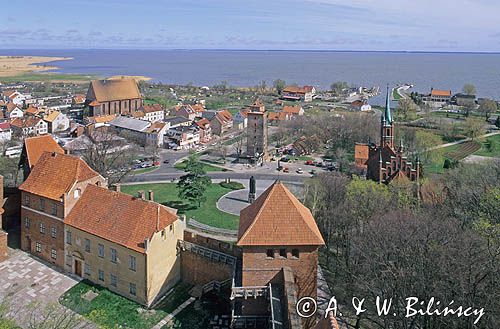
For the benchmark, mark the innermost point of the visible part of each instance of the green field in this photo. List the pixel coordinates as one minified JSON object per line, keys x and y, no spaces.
{"x":395,"y":94}
{"x":31,"y":77}
{"x":490,"y":147}
{"x":143,"y":170}
{"x":207,"y":213}
{"x":110,"y":310}
{"x":206,"y":167}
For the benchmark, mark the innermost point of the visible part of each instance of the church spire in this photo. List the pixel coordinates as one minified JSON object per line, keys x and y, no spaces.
{"x":387,"y":114}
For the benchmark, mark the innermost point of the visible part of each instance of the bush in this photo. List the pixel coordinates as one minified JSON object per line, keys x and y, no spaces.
{"x":232,"y":185}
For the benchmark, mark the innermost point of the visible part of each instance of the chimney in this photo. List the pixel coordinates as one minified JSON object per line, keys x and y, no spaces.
{"x":116,"y":187}
{"x":151,"y":195}
{"x":141,"y":195}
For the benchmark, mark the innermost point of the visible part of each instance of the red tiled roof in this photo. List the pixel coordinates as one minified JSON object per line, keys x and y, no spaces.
{"x":436,"y":92}
{"x":296,"y":90}
{"x":151,"y":108}
{"x":4,"y":125}
{"x":119,"y":217}
{"x":35,"y":146}
{"x":277,"y":218}
{"x":55,"y":174}
{"x":115,"y":89}
{"x":25,"y":122}
{"x":292,"y":109}
{"x":11,"y":107}
{"x":202,"y":123}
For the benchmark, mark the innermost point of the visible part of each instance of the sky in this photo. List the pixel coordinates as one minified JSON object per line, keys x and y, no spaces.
{"x":365,"y":25}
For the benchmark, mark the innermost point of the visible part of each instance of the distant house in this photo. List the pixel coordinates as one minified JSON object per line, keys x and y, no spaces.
{"x":155,"y":133}
{"x":100,"y":121}
{"x":34,"y":112}
{"x":189,"y":111}
{"x":240,"y":119}
{"x":134,"y":128}
{"x":205,"y":130}
{"x":56,"y":122}
{"x":439,"y":96}
{"x":183,"y":137}
{"x":33,"y":148}
{"x":15,"y":97}
{"x":5,"y":132}
{"x":178,"y":121}
{"x":274,"y":118}
{"x":464,"y":100}
{"x":152,"y":113}
{"x":220,"y":121}
{"x":305,"y":93}
{"x":360,"y":105}
{"x":29,"y":126}
{"x":293,"y":110}
{"x":13,"y":111}
{"x":113,"y":96}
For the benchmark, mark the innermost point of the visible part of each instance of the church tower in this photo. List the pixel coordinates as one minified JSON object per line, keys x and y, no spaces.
{"x":387,"y":124}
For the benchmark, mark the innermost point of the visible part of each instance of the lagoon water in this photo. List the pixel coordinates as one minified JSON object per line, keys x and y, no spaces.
{"x":318,"y":68}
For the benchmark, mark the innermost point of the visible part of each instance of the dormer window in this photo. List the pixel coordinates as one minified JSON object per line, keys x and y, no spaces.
{"x":76,"y":193}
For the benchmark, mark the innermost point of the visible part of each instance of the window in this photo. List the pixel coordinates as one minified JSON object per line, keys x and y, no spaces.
{"x":132,"y":289}
{"x":26,"y":222}
{"x":53,"y":254}
{"x":42,"y":204}
{"x":26,"y":200}
{"x":53,"y":209}
{"x":86,"y":269}
{"x":87,"y":245}
{"x":100,"y":249}
{"x":270,"y":253}
{"x":42,"y":228}
{"x":76,"y":193}
{"x":38,"y":247}
{"x":283,"y":253}
{"x":101,"y":275}
{"x":113,"y":255}
{"x":113,"y":279}
{"x":68,"y":237}
{"x":53,"y":232}
{"x":295,"y":253}
{"x":132,"y":263}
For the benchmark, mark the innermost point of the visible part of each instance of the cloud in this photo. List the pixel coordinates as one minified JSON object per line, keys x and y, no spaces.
{"x":14,"y":32}
{"x":11,"y":19}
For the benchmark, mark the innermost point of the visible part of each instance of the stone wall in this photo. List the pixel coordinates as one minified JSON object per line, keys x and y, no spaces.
{"x":196,"y":269}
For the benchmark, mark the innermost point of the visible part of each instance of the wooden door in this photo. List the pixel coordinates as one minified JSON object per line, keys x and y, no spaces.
{"x":78,"y":267}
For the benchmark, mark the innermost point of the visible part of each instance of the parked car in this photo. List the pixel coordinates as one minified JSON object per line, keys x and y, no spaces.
{"x":285,"y":159}
{"x":300,"y":171}
{"x":286,"y":169}
{"x":166,"y":161}
{"x":309,"y":163}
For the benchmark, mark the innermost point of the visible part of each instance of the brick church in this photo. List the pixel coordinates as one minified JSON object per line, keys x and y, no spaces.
{"x":386,"y":162}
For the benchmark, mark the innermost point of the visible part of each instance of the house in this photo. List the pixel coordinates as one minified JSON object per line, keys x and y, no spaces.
{"x":293,"y":110}
{"x":13,"y":111}
{"x":15,"y":97}
{"x":178,"y":121}
{"x":34,"y":112}
{"x":80,"y":144}
{"x":183,"y":137}
{"x":5,"y":132}
{"x":151,"y":113}
{"x":33,"y":148}
{"x":464,"y":100}
{"x":360,"y":105}
{"x":155,"y":133}
{"x":29,"y":126}
{"x":189,"y":111}
{"x":204,"y":130}
{"x":240,"y":119}
{"x":124,"y":243}
{"x":113,"y":96}
{"x":55,"y":184}
{"x":220,"y":121}
{"x":295,"y":93}
{"x":279,"y":240}
{"x":100,"y":121}
{"x":78,"y":100}
{"x":438,"y":96}
{"x":56,"y":121}
{"x":274,"y":118}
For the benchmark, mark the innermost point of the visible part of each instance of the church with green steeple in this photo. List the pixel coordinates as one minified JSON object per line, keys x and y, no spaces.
{"x":386,"y":162}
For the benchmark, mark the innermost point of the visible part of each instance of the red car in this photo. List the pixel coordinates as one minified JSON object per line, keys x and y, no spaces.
{"x":309,"y":163}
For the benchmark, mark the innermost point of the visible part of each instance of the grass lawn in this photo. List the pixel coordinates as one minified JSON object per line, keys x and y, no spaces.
{"x":30,"y":77}
{"x":143,"y":170}
{"x":207,"y":213}
{"x":435,"y":165}
{"x":490,"y":147}
{"x":206,"y":167}
{"x":395,"y":94}
{"x":111,"y":310}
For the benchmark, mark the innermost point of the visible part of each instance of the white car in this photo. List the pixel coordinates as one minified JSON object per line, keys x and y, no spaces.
{"x":300,"y":171}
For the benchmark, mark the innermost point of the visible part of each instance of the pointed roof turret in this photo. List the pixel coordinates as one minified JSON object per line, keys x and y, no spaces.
{"x":387,"y":114}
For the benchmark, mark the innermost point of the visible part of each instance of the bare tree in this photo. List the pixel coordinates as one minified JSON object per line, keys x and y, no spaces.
{"x":239,"y":145}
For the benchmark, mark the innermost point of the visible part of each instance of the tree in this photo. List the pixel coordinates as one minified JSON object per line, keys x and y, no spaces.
{"x":338,"y":87}
{"x":194,"y":184}
{"x":473,"y":128}
{"x":279,"y":85}
{"x":487,"y":107}
{"x":262,"y":86}
{"x":239,"y":144}
{"x":469,"y":89}
{"x":406,"y":108}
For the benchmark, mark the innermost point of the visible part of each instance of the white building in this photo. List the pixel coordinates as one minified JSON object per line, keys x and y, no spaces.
{"x":56,"y":121}
{"x":29,"y":126}
{"x":5,"y":132}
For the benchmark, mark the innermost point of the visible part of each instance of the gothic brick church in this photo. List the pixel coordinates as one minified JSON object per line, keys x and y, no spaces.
{"x":386,"y":162}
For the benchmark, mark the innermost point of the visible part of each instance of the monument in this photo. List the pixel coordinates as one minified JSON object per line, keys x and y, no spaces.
{"x":251,"y":192}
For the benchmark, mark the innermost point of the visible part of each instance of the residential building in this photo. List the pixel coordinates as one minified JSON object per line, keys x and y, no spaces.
{"x":15,"y":97}
{"x":220,"y":121}
{"x":155,"y":133}
{"x":386,"y":162}
{"x":305,"y":93}
{"x":360,"y":105}
{"x":464,"y":100}
{"x":53,"y":187}
{"x":189,"y":111}
{"x":293,"y":110}
{"x":113,"y":96}
{"x":134,"y":128}
{"x":13,"y":111}
{"x":124,"y":243}
{"x":100,"y":121}
{"x":56,"y":122}
{"x":178,"y":121}
{"x":29,"y":126}
{"x":274,"y":118}
{"x":257,"y":133}
{"x":279,"y":239}
{"x":34,"y":112}
{"x":438,"y":96}
{"x":33,"y":148}
{"x":183,"y":137}
{"x":204,"y":129}
{"x":5,"y":132}
{"x":240,"y":119}
{"x":151,"y":113}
